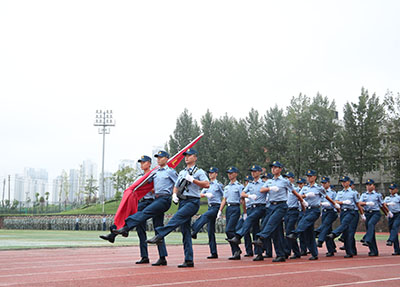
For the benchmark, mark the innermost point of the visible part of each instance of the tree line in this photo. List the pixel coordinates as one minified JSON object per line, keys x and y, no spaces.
{"x":306,"y":134}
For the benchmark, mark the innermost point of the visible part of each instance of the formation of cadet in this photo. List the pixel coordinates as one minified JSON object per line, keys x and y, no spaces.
{"x":275,"y":212}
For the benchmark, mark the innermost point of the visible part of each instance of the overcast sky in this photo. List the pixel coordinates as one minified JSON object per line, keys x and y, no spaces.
{"x":148,"y":60}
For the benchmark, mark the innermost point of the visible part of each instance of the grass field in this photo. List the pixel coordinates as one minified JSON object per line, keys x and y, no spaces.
{"x":27,"y":239}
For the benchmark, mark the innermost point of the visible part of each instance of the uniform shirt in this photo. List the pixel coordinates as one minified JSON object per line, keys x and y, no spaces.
{"x":374,"y":197}
{"x":332,"y":194}
{"x":393,"y":199}
{"x":216,"y":189}
{"x":319,"y":193}
{"x":293,"y":201}
{"x":254,"y":188}
{"x":232,"y":192}
{"x":150,"y":194}
{"x":192,"y":189}
{"x":348,"y":194}
{"x":164,"y":180}
{"x":284,"y":188}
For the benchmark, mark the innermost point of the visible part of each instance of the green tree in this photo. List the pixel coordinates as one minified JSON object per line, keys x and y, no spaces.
{"x":256,"y":146}
{"x":185,"y":131}
{"x":392,"y":134}
{"x":90,"y":189}
{"x":123,"y":178}
{"x":14,"y":204}
{"x":300,"y":147}
{"x":275,"y":135}
{"x":324,"y":130}
{"x":360,"y":144}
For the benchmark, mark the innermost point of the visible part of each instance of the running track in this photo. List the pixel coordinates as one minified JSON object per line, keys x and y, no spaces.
{"x":116,"y":267}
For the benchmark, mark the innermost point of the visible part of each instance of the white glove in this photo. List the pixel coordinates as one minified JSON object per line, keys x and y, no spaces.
{"x":219,"y":214}
{"x":188,"y":177}
{"x":274,"y":188}
{"x":390,"y":214}
{"x":175,"y":198}
{"x":244,"y":216}
{"x":363,"y":217}
{"x":325,"y":203}
{"x":209,"y":195}
{"x":304,"y":203}
{"x":390,"y":203}
{"x":346,"y":201}
{"x":337,"y":206}
{"x":369,"y":203}
{"x":246,"y":199}
{"x":252,"y":196}
{"x":310,"y":194}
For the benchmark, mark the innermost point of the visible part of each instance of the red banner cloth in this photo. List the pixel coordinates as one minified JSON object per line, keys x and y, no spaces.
{"x":138,"y":189}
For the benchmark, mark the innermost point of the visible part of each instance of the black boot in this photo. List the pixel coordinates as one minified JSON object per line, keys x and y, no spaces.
{"x":109,"y":237}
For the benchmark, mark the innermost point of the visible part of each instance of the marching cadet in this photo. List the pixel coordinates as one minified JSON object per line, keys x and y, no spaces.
{"x":329,"y":215}
{"x":371,"y":201}
{"x":302,"y":189}
{"x":246,"y":212}
{"x":231,"y":198}
{"x":291,"y":219}
{"x":252,"y":191}
{"x":189,"y":204}
{"x":145,"y":165}
{"x":278,"y":189}
{"x":306,"y":225}
{"x":392,"y":202}
{"x":348,"y":201}
{"x":214,"y":195}
{"x":164,"y":180}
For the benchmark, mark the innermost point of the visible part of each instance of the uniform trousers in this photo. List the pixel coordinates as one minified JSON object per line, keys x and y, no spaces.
{"x":394,"y":225}
{"x":247,"y":238}
{"x":273,"y":227}
{"x":141,"y":228}
{"x":372,"y":219}
{"x":291,"y":219}
{"x":306,"y":226}
{"x":187,"y":208}
{"x":347,"y":218}
{"x":208,"y":218}
{"x":253,"y":222}
{"x":232,"y":217}
{"x":156,"y":211}
{"x":328,"y":218}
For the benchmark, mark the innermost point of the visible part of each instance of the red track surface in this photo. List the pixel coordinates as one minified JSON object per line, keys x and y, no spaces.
{"x":116,"y":267}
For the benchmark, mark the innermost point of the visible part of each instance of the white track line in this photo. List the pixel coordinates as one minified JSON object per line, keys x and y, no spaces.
{"x":362,"y":282}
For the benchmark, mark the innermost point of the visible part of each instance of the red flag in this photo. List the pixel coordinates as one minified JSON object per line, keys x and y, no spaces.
{"x":141,"y":187}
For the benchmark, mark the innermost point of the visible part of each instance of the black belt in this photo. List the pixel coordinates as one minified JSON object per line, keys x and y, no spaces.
{"x":277,"y":202}
{"x":162,"y":195}
{"x":257,"y":205}
{"x":191,"y":197}
{"x":327,"y":209}
{"x":293,"y":208}
{"x":147,"y":199}
{"x":214,"y":204}
{"x":347,"y":209}
{"x":312,"y":207}
{"x":371,"y":211}
{"x":233,"y":204}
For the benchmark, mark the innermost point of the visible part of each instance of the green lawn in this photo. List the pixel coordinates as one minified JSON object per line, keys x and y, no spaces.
{"x":26,"y":239}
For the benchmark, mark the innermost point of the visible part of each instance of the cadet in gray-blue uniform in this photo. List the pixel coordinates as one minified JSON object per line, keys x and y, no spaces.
{"x":313,"y":197}
{"x":348,"y":201}
{"x":246,"y":212}
{"x":329,"y":215}
{"x":392,"y":202}
{"x":371,"y":201}
{"x":145,"y":164}
{"x":214,"y":196}
{"x":231,"y":198}
{"x":278,"y":189}
{"x":164,"y":180}
{"x":291,"y":219}
{"x":252,"y":191}
{"x":188,"y":205}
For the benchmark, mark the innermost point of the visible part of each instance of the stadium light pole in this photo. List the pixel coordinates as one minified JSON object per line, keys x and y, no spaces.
{"x":104,"y":120}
